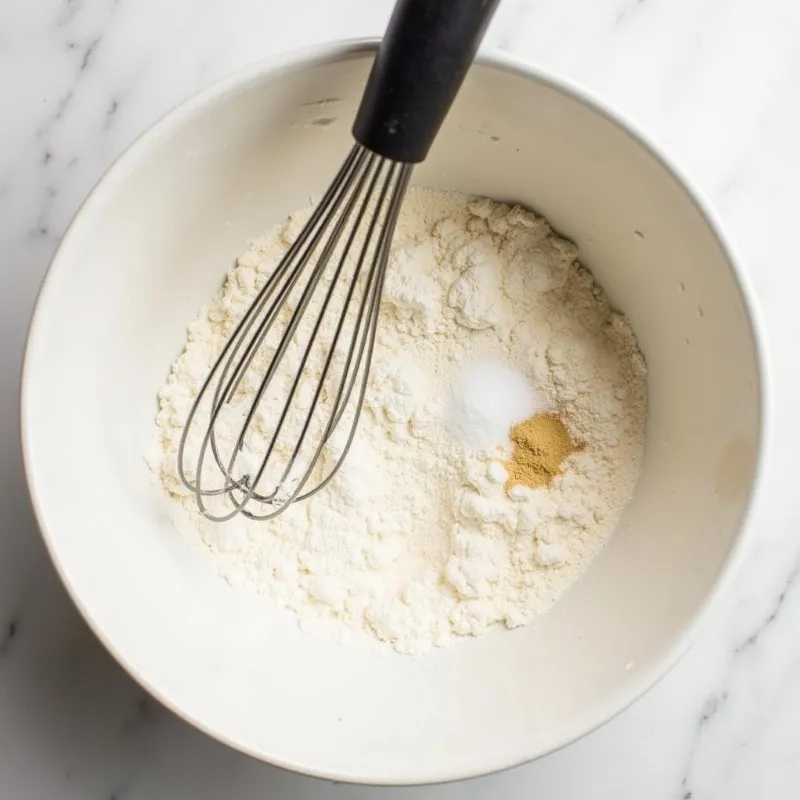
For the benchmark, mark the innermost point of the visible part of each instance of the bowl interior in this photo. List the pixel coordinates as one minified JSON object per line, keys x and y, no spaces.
{"x":151,"y":246}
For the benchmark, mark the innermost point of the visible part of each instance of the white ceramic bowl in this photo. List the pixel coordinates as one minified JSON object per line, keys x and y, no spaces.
{"x":150,"y":246}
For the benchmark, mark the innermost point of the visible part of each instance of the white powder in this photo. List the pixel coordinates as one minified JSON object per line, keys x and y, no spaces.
{"x":415,"y":541}
{"x":487,"y":399}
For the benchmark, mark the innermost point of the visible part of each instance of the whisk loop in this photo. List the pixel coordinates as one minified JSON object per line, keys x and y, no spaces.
{"x":341,"y":255}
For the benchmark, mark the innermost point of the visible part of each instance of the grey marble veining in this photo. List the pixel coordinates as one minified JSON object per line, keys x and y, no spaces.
{"x":713,"y":81}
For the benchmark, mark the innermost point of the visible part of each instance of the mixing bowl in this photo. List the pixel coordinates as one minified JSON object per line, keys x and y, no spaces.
{"x":152,"y":244}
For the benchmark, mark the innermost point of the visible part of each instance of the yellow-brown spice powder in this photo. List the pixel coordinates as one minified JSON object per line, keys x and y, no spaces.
{"x":541,"y":443}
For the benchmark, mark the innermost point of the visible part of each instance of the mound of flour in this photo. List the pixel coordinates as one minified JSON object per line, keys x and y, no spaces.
{"x":415,"y":541}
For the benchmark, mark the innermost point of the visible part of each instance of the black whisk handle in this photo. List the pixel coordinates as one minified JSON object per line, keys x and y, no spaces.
{"x":421,"y":63}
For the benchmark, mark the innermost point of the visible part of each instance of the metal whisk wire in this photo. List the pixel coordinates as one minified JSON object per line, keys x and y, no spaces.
{"x":363,"y":201}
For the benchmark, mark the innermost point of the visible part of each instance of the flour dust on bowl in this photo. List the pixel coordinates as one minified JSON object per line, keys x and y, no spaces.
{"x":176,"y":212}
{"x":421,"y":535}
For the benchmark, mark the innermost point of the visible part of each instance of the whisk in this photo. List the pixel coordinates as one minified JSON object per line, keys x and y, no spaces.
{"x":260,"y":436}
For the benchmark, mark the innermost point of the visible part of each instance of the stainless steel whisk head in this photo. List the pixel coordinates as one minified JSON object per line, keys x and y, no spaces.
{"x":318,"y":311}
{"x":260,"y":434}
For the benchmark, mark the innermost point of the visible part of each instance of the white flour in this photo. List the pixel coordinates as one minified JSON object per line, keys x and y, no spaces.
{"x":415,"y":541}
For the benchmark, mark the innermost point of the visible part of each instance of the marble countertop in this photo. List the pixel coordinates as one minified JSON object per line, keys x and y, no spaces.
{"x":715,"y":82}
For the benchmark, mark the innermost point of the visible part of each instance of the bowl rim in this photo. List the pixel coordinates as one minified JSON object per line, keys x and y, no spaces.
{"x":332,"y":52}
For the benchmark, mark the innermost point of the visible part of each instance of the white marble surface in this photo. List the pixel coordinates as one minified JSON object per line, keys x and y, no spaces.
{"x":714,"y":81}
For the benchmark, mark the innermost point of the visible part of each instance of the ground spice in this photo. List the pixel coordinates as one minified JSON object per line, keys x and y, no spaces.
{"x":541,"y":443}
